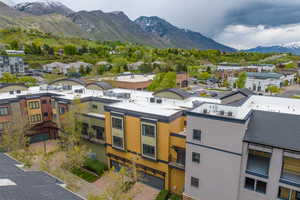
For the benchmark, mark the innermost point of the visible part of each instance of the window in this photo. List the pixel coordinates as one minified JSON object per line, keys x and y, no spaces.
{"x":197,"y":135}
{"x":196,"y":157}
{"x":35,"y":118}
{"x":45,"y":114}
{"x":255,"y":185}
{"x":288,"y":194}
{"x":94,"y":106}
{"x":258,"y":163}
{"x":18,"y":91}
{"x":84,"y":128}
{"x":62,"y":110}
{"x":44,"y":101}
{"x":117,"y":142}
{"x":194,"y":182}
{"x":148,"y":130}
{"x":180,"y":156}
{"x":99,"y":132}
{"x":284,"y":193}
{"x":261,"y":187}
{"x":117,"y":123}
{"x":3,"y":111}
{"x":34,"y":105}
{"x":148,"y":150}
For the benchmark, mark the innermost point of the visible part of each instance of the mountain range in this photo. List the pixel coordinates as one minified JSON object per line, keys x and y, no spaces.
{"x":58,"y":19}
{"x":293,"y":48}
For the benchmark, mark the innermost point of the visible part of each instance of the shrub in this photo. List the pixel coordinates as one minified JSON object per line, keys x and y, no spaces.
{"x":89,"y":177}
{"x":162,"y":195}
{"x":175,"y":197}
{"x":95,"y":166}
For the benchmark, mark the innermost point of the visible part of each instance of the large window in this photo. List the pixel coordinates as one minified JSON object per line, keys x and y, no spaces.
{"x":291,"y":171}
{"x":35,"y":118}
{"x":148,"y":130}
{"x":288,"y":194}
{"x":258,"y":163}
{"x":197,"y":134}
{"x":34,"y":105}
{"x":3,"y":111}
{"x":117,"y":123}
{"x":118,"y":142}
{"x":99,"y":132}
{"x":255,"y":185}
{"x":148,"y":150}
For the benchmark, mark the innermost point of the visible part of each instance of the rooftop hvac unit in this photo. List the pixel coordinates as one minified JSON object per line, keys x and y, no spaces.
{"x":152,"y":100}
{"x":159,"y":101}
{"x":196,"y":103}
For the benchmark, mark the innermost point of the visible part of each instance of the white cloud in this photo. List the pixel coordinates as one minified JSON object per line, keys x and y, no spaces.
{"x":244,"y":37}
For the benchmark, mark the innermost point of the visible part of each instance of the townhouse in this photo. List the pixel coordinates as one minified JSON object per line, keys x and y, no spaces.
{"x":244,"y":148}
{"x":239,"y":146}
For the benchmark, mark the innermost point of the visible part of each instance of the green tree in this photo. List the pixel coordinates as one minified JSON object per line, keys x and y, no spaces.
{"x":8,"y":78}
{"x":71,"y":135}
{"x":70,"y":50}
{"x":241,"y":82}
{"x":156,"y":82}
{"x":169,"y":81}
{"x":273,"y":89}
{"x":14,"y":45}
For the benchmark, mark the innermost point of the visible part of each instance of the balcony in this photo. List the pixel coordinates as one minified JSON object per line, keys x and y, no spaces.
{"x":178,"y":162}
{"x":258,"y":163}
{"x":291,"y":171}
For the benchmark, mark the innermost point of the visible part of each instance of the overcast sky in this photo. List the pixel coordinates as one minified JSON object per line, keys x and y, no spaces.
{"x":238,"y":23}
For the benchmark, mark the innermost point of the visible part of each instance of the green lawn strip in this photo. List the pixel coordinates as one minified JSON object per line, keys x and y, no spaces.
{"x":85,"y":174}
{"x":95,"y":166}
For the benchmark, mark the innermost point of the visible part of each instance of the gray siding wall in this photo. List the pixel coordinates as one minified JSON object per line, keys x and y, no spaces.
{"x":220,"y":159}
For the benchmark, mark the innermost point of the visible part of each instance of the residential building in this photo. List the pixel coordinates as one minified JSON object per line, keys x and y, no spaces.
{"x":15,"y":52}
{"x":13,"y":65}
{"x":64,"y":68}
{"x":247,"y":147}
{"x":260,"y":81}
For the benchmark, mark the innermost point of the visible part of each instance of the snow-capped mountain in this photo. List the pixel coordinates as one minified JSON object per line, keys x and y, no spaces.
{"x":293,"y":48}
{"x":44,"y":8}
{"x":8,"y":2}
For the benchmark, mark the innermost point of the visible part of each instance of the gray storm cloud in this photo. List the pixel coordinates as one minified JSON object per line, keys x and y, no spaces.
{"x":214,"y":18}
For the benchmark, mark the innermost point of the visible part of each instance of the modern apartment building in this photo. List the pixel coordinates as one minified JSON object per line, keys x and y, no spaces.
{"x":260,"y":81}
{"x":246,"y":147}
{"x":10,"y":64}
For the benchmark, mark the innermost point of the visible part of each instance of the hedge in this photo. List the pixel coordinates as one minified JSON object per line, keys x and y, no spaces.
{"x":163,"y":195}
{"x":95,"y":166}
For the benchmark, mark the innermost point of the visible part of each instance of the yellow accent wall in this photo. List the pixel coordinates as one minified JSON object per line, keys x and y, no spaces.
{"x":174,"y":179}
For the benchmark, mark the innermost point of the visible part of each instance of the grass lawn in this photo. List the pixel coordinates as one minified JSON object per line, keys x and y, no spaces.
{"x":84,"y":174}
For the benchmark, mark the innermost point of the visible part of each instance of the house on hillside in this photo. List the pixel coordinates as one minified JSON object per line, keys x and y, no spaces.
{"x":64,"y":68}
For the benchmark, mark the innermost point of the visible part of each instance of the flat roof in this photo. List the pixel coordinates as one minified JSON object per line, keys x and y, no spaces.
{"x":30,"y":185}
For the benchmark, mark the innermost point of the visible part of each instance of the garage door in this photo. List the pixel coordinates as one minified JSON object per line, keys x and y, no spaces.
{"x":38,"y":138}
{"x":152,"y":181}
